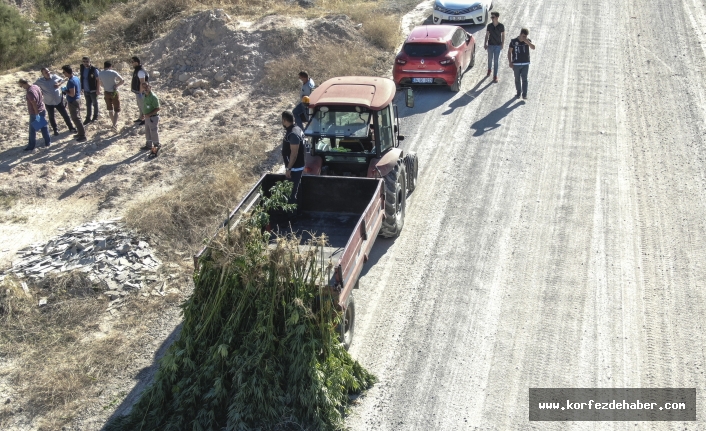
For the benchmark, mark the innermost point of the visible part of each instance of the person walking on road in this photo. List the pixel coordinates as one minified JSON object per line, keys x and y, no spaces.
{"x":299,"y":111}
{"x":139,"y":77}
{"x":519,"y":57}
{"x":494,"y":42}
{"x":110,"y":80}
{"x":151,"y":107}
{"x":292,"y":155}
{"x":37,"y":113}
{"x":91,"y":87}
{"x":73,"y":98}
{"x":54,"y":99}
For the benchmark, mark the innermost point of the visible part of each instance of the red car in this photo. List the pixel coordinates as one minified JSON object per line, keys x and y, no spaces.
{"x":435,"y":55}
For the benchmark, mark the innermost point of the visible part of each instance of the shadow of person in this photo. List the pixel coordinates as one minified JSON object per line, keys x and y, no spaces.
{"x":100,"y":172}
{"x":492,"y":120}
{"x":468,"y":97}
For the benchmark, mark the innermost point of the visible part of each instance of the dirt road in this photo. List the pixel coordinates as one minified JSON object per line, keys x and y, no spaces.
{"x":553,"y":243}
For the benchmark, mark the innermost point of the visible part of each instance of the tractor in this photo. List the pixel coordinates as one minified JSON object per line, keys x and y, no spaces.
{"x":353,"y":131}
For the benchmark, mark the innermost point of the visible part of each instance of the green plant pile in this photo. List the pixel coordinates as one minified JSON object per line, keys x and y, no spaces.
{"x":258,"y":347}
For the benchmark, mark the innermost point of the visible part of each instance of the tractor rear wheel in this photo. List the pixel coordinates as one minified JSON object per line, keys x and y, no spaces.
{"x":347,"y":325}
{"x":395,"y":201}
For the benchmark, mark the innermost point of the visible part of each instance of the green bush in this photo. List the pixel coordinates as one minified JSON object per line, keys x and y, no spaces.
{"x":18,"y":41}
{"x":66,"y":32}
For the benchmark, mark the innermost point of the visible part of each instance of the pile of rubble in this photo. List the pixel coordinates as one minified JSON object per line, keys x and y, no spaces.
{"x":104,"y":250}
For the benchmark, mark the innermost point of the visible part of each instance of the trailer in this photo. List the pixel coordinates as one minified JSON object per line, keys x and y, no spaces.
{"x":348,"y":210}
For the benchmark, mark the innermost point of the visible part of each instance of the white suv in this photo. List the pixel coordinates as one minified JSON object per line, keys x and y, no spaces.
{"x":461,"y":11}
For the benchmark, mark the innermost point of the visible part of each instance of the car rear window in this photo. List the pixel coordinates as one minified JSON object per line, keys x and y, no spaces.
{"x":424,"y":49}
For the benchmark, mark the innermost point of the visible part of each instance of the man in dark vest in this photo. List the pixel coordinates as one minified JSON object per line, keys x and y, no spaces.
{"x":91,"y":87}
{"x":293,"y":154}
{"x":139,"y":76}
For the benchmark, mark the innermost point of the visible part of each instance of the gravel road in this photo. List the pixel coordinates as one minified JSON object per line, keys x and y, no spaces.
{"x":557,"y":242}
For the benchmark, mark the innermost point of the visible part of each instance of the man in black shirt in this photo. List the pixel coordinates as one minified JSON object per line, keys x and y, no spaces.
{"x":519,"y":57}
{"x":494,"y":41}
{"x":292,"y":153}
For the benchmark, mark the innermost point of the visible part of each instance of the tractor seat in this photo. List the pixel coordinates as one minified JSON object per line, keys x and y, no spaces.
{"x":352,"y":144}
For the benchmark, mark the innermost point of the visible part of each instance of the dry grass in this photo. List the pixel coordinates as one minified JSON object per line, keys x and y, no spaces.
{"x":383,"y":30}
{"x":328,"y":60}
{"x":127,"y":25}
{"x":61,"y":357}
{"x":192,"y":209}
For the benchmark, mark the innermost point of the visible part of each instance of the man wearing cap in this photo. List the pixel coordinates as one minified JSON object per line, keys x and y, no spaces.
{"x":37,"y":114}
{"x":110,"y":80}
{"x":299,"y":111}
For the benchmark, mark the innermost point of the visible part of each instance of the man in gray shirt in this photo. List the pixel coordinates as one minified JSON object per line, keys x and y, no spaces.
{"x":299,"y":111}
{"x":110,"y":80}
{"x":53,"y":99}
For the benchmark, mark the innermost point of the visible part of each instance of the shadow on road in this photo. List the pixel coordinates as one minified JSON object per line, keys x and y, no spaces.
{"x":492,"y":120}
{"x":381,"y":246}
{"x":468,"y":96}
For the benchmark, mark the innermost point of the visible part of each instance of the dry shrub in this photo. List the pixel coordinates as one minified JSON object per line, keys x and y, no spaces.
{"x":150,"y":19}
{"x":327,"y":60}
{"x":192,"y":209}
{"x":127,"y":25}
{"x":382,"y":30}
{"x":280,"y":40}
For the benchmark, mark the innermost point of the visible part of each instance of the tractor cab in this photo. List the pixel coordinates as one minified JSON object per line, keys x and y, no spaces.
{"x":352,"y":124}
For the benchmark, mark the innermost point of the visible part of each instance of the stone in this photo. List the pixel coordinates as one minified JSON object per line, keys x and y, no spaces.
{"x":199,"y":93}
{"x":112,"y":294}
{"x":155,"y":74}
{"x":220,"y":76}
{"x":42,"y":302}
{"x":184,"y":77}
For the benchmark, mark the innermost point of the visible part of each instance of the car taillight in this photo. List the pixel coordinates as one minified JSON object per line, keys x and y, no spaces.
{"x":401,"y":61}
{"x":446,"y":61}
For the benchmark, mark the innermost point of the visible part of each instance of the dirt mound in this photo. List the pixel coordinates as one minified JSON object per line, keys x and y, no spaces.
{"x":211,"y":49}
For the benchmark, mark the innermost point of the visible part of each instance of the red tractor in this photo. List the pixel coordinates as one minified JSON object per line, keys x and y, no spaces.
{"x":354,"y":131}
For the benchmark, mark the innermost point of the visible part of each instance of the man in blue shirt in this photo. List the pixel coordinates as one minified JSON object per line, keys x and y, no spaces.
{"x":91,"y":87}
{"x":73,"y":98}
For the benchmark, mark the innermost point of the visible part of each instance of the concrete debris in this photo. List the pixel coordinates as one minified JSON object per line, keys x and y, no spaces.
{"x":105,"y":250}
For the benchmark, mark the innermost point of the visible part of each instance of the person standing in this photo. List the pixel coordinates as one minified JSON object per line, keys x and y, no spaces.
{"x":91,"y":87}
{"x":151,"y":107}
{"x":139,"y":77}
{"x":299,"y":111}
{"x":73,"y":99}
{"x":53,"y":99}
{"x":494,"y":42}
{"x":519,"y":57}
{"x":293,"y":155}
{"x":37,"y":112}
{"x":110,"y":80}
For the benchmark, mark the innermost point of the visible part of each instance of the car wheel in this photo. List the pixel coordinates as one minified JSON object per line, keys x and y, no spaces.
{"x":456,"y":86}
